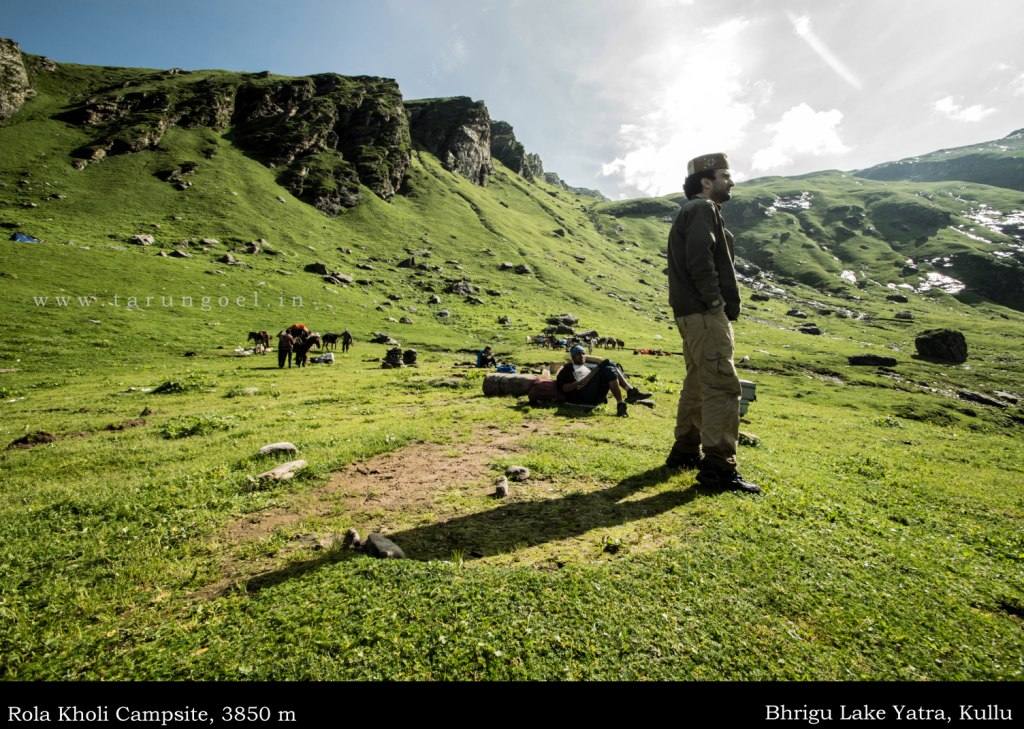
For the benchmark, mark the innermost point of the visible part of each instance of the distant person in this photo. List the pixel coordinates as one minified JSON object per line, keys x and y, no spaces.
{"x":485,"y":358}
{"x":583,"y":385}
{"x":346,"y":340}
{"x":705,"y":298}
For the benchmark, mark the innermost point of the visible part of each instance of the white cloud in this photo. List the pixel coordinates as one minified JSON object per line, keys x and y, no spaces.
{"x":801,"y":131}
{"x":1017,"y":85}
{"x":680,"y":112}
{"x":948,"y":107}
{"x":802,"y":27}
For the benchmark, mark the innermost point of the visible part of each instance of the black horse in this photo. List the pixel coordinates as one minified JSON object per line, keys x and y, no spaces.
{"x":303,"y":346}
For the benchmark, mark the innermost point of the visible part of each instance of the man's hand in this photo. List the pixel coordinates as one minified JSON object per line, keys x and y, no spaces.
{"x":732,"y":311}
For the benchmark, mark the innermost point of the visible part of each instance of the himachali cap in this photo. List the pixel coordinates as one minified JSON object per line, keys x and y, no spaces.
{"x":706,"y":162}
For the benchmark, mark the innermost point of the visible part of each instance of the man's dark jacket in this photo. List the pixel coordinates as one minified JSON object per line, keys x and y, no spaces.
{"x":701,"y":275}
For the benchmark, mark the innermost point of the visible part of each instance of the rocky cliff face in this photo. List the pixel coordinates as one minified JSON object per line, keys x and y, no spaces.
{"x":329,"y":133}
{"x":457,"y":131}
{"x":508,"y":149}
{"x":14,"y":83}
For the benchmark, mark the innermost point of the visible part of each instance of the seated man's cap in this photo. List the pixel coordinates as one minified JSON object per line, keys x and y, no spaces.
{"x":577,"y":349}
{"x":706,"y":162}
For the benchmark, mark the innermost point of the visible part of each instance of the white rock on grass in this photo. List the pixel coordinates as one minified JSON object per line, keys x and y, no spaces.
{"x":283,"y":472}
{"x":282,"y":447}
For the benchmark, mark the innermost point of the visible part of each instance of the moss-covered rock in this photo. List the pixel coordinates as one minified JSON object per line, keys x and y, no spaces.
{"x":511,"y":152}
{"x":14,"y":83}
{"x":455,"y":130}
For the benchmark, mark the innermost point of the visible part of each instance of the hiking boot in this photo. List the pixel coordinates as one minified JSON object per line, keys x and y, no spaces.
{"x":726,"y":481}
{"x":633,"y":394}
{"x":622,"y":410}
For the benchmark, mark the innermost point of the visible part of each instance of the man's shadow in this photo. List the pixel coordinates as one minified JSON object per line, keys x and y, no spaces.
{"x":519,"y":524}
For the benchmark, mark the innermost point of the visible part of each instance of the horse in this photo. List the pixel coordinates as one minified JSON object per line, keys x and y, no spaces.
{"x":262,"y":341}
{"x":331,"y":340}
{"x":303,"y":346}
{"x":285,"y":345}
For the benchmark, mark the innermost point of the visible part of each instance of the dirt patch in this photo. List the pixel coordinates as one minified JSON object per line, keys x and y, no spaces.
{"x":133,"y":423}
{"x":383,"y":494}
{"x":31,"y":440}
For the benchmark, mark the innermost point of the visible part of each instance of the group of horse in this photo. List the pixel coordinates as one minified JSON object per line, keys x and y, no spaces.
{"x":296,"y":341}
{"x":550,"y":340}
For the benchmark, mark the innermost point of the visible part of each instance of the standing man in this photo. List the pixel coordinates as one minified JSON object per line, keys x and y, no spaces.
{"x":705,"y":298}
{"x":346,"y":341}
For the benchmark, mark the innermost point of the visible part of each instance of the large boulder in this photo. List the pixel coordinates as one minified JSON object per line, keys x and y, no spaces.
{"x":457,"y":131}
{"x":14,"y":84}
{"x":942,"y":345}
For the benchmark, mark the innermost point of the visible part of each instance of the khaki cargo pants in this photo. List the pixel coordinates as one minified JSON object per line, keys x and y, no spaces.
{"x":709,"y":405}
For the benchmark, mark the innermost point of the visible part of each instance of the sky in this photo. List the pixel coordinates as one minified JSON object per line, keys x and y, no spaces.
{"x":615,"y":95}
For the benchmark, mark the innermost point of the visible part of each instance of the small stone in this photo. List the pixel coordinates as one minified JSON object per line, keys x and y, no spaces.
{"x":282,"y":447}
{"x":749,"y":440}
{"x":379,"y":546}
{"x":501,"y":488}
{"x":351,"y":539}
{"x":871,"y":360}
{"x":283,"y":472}
{"x":517,"y":473}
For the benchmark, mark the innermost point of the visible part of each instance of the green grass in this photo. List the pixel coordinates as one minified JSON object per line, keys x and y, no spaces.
{"x":887,"y":545}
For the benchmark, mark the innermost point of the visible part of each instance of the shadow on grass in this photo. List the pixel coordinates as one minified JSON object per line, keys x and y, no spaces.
{"x":519,"y":524}
{"x":561,"y":410}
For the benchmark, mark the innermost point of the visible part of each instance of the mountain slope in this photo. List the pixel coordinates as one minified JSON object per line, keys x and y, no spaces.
{"x":999,"y":162}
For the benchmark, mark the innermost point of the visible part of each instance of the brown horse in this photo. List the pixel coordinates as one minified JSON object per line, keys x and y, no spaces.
{"x":262,"y":341}
{"x":331,"y":340}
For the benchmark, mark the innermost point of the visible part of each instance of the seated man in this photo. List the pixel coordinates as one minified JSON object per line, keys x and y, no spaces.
{"x":485,"y":358}
{"x":585,"y":386}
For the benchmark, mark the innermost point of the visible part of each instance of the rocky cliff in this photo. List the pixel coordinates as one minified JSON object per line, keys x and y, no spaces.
{"x":457,"y":131}
{"x":328,"y":133}
{"x":14,"y":83}
{"x":508,"y":149}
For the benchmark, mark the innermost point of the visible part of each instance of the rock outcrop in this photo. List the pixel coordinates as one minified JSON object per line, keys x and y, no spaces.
{"x":14,"y":84}
{"x":511,"y":152}
{"x":329,"y":134}
{"x":457,"y":131}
